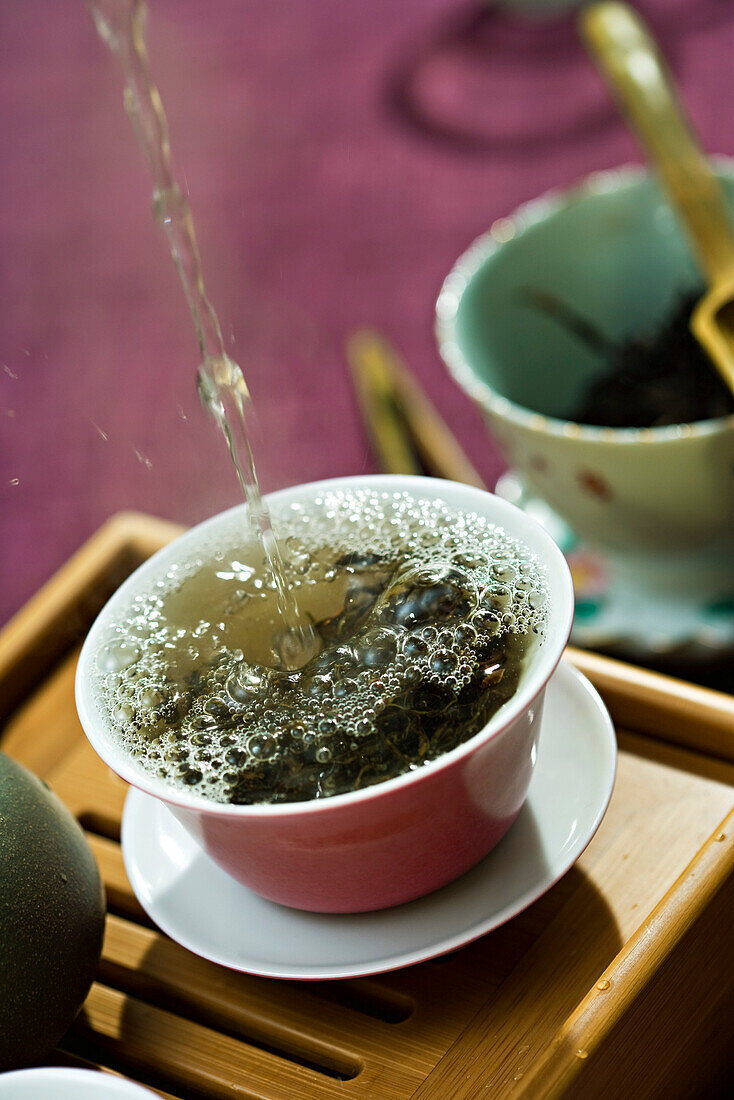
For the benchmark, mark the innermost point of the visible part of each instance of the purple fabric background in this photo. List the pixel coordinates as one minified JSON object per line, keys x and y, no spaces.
{"x":339,"y":155}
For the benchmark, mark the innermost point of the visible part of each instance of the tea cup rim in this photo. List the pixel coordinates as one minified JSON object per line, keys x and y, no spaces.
{"x":489,"y":244}
{"x":534,"y":679}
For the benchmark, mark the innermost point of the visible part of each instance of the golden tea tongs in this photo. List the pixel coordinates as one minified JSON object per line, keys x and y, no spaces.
{"x":407,"y":434}
{"x":628,"y":57}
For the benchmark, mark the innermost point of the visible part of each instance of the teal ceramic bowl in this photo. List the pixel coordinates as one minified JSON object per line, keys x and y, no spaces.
{"x":611,"y":248}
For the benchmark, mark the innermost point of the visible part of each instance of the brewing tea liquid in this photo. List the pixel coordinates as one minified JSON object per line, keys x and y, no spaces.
{"x":221,"y":383}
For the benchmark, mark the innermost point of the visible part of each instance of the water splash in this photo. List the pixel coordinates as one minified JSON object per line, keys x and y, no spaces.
{"x":221,"y":383}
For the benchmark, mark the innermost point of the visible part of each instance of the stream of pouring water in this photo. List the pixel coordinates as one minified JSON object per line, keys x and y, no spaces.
{"x":222,"y":387}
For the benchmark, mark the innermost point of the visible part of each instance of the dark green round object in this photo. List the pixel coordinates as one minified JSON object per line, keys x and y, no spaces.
{"x":52,"y":911}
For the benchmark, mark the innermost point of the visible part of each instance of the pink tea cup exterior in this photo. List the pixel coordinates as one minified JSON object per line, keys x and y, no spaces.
{"x":397,"y":840}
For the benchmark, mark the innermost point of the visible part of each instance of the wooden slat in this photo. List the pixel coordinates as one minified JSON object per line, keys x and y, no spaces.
{"x":188,"y":1055}
{"x":351,"y":1015}
{"x":72,"y":1061}
{"x":89,"y":788}
{"x":120,"y":897}
{"x":45,"y":728}
{"x":275,"y":1016}
{"x":670,"y":755}
{"x":61,"y":612}
{"x":661,"y":707}
{"x":409,"y":996}
{"x":415,"y":996}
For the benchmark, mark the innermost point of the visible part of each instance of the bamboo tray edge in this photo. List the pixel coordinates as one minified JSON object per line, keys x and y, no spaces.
{"x":697,"y":720}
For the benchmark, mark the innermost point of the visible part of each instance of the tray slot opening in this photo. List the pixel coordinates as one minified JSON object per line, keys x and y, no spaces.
{"x":65,"y":1058}
{"x":127,"y":908}
{"x":100,"y":825}
{"x":299,"y":1047}
{"x":182,"y":1055}
{"x":121,"y":901}
{"x":370,"y":998}
{"x":87,"y":1053}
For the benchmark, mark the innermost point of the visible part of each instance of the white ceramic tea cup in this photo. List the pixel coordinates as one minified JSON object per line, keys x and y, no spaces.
{"x":384,"y":844}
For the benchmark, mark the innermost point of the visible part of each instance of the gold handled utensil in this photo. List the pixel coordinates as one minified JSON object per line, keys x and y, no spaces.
{"x":628,"y":57}
{"x":407,"y":434}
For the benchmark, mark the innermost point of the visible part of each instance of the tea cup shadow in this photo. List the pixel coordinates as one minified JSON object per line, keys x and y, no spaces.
{"x":589,"y":915}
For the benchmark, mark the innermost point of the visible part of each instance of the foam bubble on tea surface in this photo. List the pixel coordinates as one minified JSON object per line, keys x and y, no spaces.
{"x":423,"y":617}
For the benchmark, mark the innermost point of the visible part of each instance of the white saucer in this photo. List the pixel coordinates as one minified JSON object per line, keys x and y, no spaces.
{"x":205,"y":910}
{"x":671,"y":607}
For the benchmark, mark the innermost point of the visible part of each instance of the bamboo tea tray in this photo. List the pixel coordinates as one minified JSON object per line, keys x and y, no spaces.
{"x":618,"y":983}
